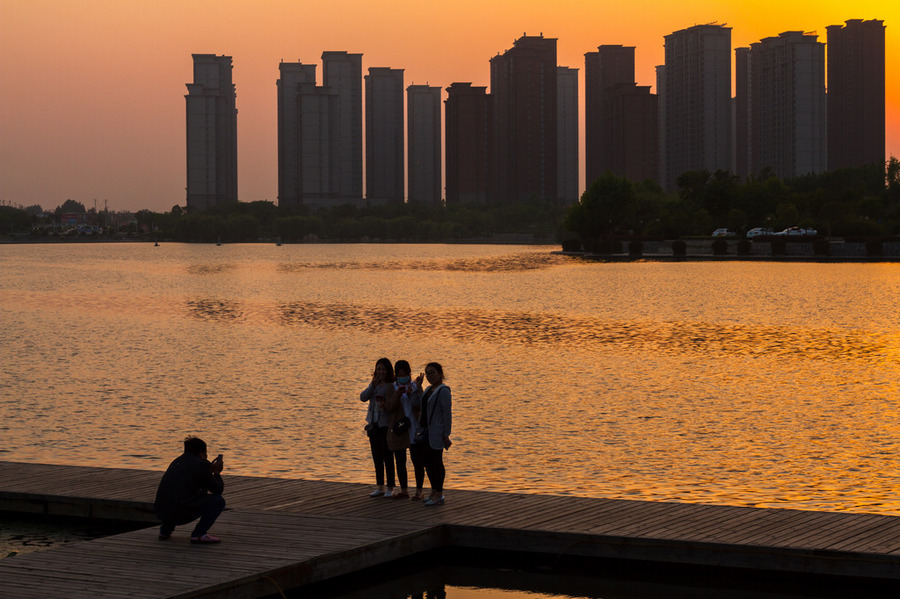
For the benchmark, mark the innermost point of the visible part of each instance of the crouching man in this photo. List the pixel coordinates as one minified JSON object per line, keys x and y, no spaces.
{"x":191,"y":488}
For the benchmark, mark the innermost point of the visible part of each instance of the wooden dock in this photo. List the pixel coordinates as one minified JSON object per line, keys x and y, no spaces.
{"x":284,"y":533}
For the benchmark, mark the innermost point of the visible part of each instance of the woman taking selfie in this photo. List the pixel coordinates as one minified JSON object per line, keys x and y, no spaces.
{"x":377,"y":421}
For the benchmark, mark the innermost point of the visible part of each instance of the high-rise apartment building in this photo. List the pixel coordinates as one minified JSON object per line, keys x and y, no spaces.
{"x":211,"y":134}
{"x":634,"y":128}
{"x":523,"y":86}
{"x":741,"y":105}
{"x":697,"y":103}
{"x":856,"y":88}
{"x":307,"y":126}
{"x":384,"y":136}
{"x":621,"y":118}
{"x":604,"y":70}
{"x":468,"y":116}
{"x":661,"y":105}
{"x":423,"y":146}
{"x":787,"y":105}
{"x":567,"y":134}
{"x":342,"y":72}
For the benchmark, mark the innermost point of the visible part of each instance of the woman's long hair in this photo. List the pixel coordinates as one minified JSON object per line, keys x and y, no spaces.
{"x":388,"y":368}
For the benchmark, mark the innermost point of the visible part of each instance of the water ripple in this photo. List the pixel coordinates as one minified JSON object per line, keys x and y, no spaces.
{"x":505,"y":263}
{"x":548,"y":329}
{"x":215,"y":310}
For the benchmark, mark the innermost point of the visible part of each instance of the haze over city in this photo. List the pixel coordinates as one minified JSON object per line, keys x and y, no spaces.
{"x":92,"y":95}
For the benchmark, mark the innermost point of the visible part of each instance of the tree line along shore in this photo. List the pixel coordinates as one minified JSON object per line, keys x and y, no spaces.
{"x":857,"y":203}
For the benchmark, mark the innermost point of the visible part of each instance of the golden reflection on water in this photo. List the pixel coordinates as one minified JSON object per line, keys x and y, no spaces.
{"x":630,"y":381}
{"x":583,"y":332}
{"x":506,"y":263}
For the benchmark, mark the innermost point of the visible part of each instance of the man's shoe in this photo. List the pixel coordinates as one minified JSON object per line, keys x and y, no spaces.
{"x":164,"y":537}
{"x":205,"y":539}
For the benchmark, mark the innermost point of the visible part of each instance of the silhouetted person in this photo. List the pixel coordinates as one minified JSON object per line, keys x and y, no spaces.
{"x":191,"y":488}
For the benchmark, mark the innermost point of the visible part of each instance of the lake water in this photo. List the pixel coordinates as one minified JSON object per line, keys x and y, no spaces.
{"x":757,"y":384}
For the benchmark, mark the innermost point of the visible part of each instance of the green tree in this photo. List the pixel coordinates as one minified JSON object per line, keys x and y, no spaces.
{"x":736,"y":219}
{"x":14,"y":220}
{"x":786,"y":215}
{"x":70,"y":206}
{"x":606,"y":207}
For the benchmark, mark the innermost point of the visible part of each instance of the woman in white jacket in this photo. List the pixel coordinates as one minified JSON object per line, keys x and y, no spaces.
{"x":377,"y":421}
{"x":434,"y":427}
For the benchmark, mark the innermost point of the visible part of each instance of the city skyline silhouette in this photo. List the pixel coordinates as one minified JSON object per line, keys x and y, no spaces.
{"x":93,"y":96}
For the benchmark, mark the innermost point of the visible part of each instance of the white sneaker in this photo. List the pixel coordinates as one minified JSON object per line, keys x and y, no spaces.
{"x":376,"y":493}
{"x":389,"y":493}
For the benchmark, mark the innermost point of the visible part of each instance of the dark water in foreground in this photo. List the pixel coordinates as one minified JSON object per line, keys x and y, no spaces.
{"x":21,"y":534}
{"x":487,"y":575}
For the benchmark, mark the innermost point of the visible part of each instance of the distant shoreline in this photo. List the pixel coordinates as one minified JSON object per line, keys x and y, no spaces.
{"x":701,"y":250}
{"x":697,"y":250}
{"x":726,"y":258}
{"x":485,"y":241}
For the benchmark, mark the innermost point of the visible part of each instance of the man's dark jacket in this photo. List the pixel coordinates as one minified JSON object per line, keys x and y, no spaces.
{"x":183,"y":489}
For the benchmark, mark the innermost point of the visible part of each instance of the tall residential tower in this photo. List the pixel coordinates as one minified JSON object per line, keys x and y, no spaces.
{"x":567,"y":134}
{"x":211,"y":134}
{"x":787,"y":105}
{"x":307,"y":130}
{"x":342,"y":73}
{"x":523,"y":86}
{"x":423,"y":146}
{"x":605,"y":69}
{"x":856,"y":87}
{"x":468,"y":114}
{"x":621,"y":118}
{"x":696,"y":107}
{"x":385,"y":181}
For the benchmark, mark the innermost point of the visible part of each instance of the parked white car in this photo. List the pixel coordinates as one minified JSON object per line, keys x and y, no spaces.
{"x":797,"y":232}
{"x":760,"y":232}
{"x":724,"y":233}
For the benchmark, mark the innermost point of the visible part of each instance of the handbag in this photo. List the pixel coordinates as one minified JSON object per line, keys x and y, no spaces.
{"x":421,"y":436}
{"x":401,"y":426}
{"x":371,"y":429}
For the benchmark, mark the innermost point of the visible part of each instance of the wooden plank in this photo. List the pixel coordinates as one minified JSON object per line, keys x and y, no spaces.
{"x":879,"y":530}
{"x":136,"y":564}
{"x":824,"y":531}
{"x":724,"y":526}
{"x":293,"y":521}
{"x":578,"y":514}
{"x":699,"y":523}
{"x":789,"y":523}
{"x":885,"y":540}
{"x":757,"y":526}
{"x":650,"y":516}
{"x":605,"y":510}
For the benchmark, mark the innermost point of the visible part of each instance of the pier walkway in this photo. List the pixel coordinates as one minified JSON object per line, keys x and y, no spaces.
{"x":283,"y":533}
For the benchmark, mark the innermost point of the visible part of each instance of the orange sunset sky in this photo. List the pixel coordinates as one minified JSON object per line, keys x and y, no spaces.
{"x":92,"y":91}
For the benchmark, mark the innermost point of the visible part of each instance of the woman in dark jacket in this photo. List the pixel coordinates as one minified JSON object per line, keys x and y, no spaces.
{"x":435,"y":418}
